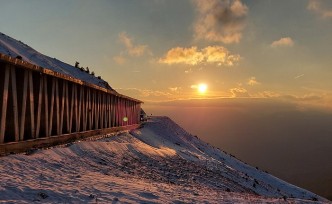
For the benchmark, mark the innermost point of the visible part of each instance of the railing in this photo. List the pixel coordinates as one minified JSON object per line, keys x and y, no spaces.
{"x":39,"y":103}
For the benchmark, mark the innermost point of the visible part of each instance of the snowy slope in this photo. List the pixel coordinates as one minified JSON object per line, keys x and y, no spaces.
{"x":158,"y":163}
{"x":14,"y":48}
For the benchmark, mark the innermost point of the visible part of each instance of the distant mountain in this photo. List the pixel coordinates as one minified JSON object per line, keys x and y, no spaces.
{"x":157,"y":163}
{"x":17,"y":49}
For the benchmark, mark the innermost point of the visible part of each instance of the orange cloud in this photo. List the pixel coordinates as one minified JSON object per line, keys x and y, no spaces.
{"x":180,"y":55}
{"x":283,"y":42}
{"x":119,"y":59}
{"x":239,"y":92}
{"x":252,"y":81}
{"x":174,"y":89}
{"x":147,"y":94}
{"x":132,"y":49}
{"x":220,"y":20}
{"x":316,"y":7}
{"x":192,"y":56}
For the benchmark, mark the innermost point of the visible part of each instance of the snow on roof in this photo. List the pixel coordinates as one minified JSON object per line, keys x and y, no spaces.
{"x":14,"y":48}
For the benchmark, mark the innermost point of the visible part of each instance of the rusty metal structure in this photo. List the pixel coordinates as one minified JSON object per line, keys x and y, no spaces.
{"x":40,"y":104}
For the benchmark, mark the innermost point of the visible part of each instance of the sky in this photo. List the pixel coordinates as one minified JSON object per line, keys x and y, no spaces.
{"x":161,"y":50}
{"x":265,"y":66}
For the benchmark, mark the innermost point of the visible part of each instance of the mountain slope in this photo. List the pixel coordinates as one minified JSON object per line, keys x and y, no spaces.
{"x":11,"y":47}
{"x":158,"y":163}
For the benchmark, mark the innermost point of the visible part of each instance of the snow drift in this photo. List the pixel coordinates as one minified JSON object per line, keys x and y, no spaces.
{"x":158,"y":163}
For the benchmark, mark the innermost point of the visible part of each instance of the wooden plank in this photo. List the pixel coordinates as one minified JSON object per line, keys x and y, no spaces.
{"x":71,"y":107}
{"x":62,"y":105}
{"x":46,"y":106}
{"x":80,"y":110}
{"x":105,"y":111}
{"x":67,"y":106}
{"x":133,"y":112}
{"x":15,"y":108}
{"x":86,"y":106}
{"x":110,"y":101}
{"x":24,"y":103}
{"x":88,"y":114}
{"x":113,"y":110}
{"x":4,"y":105}
{"x":130,"y":113}
{"x":93,"y":108}
{"x":84,"y":109}
{"x":108,"y":109}
{"x":51,"y":108}
{"x":127,"y":111}
{"x":118,"y":111}
{"x":89,"y":109}
{"x":40,"y":97}
{"x":32,"y":104}
{"x":97,"y":110}
{"x":57,"y":105}
{"x":102,"y":113}
{"x":76,"y":107}
{"x":121,"y":111}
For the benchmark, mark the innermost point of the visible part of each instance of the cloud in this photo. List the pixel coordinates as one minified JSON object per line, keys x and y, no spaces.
{"x":188,"y":71}
{"x":283,"y":42}
{"x":304,"y":98}
{"x":146,"y":94}
{"x":220,"y":56}
{"x":220,"y":20}
{"x":174,"y":89}
{"x":299,"y":76}
{"x":119,"y":59}
{"x":268,"y":94}
{"x":291,"y":98}
{"x":132,"y":49}
{"x":316,"y":7}
{"x":192,"y":56}
{"x":252,"y":81}
{"x":181,"y":55}
{"x":194,"y":86}
{"x":239,"y":93}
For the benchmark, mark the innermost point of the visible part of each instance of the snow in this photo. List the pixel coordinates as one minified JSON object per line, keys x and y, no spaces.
{"x":157,"y":163}
{"x":14,"y":48}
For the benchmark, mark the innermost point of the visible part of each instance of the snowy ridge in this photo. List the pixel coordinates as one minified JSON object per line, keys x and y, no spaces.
{"x":14,"y":48}
{"x":158,"y":163}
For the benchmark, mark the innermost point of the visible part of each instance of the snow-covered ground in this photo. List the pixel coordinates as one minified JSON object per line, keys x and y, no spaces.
{"x":158,"y":163}
{"x":13,"y":48}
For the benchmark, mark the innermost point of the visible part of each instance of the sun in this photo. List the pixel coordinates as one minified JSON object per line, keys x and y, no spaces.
{"x":202,"y":88}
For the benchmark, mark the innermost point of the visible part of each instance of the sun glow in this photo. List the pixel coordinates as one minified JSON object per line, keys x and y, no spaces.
{"x":202,"y":88}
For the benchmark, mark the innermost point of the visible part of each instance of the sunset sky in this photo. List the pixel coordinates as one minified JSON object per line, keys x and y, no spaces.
{"x":263,"y":68}
{"x":161,"y":50}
